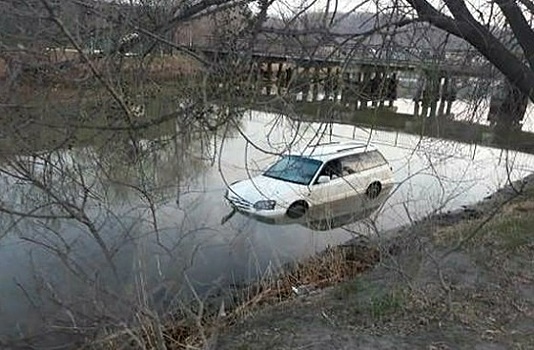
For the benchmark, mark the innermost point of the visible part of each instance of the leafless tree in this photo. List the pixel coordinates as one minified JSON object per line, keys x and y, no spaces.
{"x":501,"y":31}
{"x":111,"y":109}
{"x":106,"y":115}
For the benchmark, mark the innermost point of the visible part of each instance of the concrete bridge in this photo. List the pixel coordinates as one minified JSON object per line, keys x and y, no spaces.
{"x":459,"y":62}
{"x":357,"y":74}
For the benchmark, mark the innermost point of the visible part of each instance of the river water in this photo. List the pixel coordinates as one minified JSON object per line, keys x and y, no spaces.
{"x":175,"y":242}
{"x":474,"y":111}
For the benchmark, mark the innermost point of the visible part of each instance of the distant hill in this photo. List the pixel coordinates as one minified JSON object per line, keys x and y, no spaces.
{"x":341,"y":26}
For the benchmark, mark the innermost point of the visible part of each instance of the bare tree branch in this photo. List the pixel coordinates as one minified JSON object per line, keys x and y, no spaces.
{"x":467,"y":28}
{"x":528,"y":4}
{"x":520,"y":27}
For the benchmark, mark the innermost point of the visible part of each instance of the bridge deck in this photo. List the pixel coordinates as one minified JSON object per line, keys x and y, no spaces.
{"x":453,"y":63}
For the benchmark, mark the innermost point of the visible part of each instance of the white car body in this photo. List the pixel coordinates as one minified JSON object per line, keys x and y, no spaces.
{"x":354,"y":177}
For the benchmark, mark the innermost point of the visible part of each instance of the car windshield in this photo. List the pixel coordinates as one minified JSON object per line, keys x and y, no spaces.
{"x":295,"y":169}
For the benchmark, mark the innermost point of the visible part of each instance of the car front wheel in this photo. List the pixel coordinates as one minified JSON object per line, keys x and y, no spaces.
{"x":297,"y":210}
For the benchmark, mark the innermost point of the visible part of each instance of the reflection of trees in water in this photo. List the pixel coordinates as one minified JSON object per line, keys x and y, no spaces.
{"x":57,"y":183}
{"x":97,"y":143}
{"x":91,"y":214}
{"x":175,"y":155}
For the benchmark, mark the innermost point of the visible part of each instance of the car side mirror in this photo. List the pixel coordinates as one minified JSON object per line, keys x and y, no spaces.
{"x":323,"y":179}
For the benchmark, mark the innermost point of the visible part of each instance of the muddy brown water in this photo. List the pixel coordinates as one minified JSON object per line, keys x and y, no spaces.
{"x":190,"y":248}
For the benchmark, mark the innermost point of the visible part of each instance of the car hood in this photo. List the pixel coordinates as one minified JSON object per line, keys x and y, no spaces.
{"x":264,"y":188}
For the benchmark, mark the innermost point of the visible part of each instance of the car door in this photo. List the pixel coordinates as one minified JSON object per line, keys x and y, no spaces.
{"x":327,"y":199}
{"x":356,"y":179}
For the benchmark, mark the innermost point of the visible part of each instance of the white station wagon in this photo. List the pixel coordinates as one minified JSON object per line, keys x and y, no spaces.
{"x":326,"y":180}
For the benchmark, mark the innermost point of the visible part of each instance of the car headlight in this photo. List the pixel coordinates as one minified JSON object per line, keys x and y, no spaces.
{"x":264,"y":205}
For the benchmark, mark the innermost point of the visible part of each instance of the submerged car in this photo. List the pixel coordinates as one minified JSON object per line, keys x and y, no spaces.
{"x":323,"y":181}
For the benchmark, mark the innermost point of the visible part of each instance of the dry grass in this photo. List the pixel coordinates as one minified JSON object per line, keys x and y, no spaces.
{"x":194,"y":328}
{"x":510,"y":229}
{"x":3,"y":68}
{"x":58,"y":73}
{"x":334,"y":265}
{"x":174,"y":65}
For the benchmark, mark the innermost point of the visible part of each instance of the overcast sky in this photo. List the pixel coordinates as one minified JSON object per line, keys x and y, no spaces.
{"x":477,"y":7}
{"x":285,"y":6}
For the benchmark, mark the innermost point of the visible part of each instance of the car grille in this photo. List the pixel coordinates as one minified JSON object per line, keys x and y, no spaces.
{"x":238,"y":202}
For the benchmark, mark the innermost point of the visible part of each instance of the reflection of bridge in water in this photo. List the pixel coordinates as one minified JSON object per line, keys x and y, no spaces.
{"x":355,"y":74}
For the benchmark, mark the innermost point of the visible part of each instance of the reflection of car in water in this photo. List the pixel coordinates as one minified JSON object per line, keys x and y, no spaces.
{"x":324,"y":182}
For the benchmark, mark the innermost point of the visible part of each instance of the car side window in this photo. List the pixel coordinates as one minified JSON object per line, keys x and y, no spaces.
{"x":373,"y":159}
{"x":351,"y":164}
{"x":332,"y":169}
{"x":360,"y":162}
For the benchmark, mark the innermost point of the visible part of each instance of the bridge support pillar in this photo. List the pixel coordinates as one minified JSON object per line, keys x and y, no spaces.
{"x":279,"y":75}
{"x":430,"y":96}
{"x":315,"y":84}
{"x":336,"y":82}
{"x":442,"y":102}
{"x":360,"y":84}
{"x":375,"y":88}
{"x":365,"y":87}
{"x":418,"y":96}
{"x":391,"y":93}
{"x":381,"y":87}
{"x":306,"y":83}
{"x":269,"y":78}
{"x":349,"y":95}
{"x":448,"y":95}
{"x":288,"y":78}
{"x":450,"y":100}
{"x":258,"y":77}
{"x":328,"y":84}
{"x":252,"y":75}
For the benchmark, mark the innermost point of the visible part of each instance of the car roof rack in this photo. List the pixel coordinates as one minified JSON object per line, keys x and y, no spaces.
{"x":354,"y":147}
{"x":348,"y":143}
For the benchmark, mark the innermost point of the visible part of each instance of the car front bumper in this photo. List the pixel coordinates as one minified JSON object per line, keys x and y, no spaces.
{"x":275,"y":216}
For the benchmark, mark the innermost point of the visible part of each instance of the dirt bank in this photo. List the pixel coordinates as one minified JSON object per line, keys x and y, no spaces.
{"x":462,"y":280}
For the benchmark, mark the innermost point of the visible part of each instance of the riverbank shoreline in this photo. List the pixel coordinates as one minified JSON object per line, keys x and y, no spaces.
{"x":386,"y":119}
{"x":435,"y":286}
